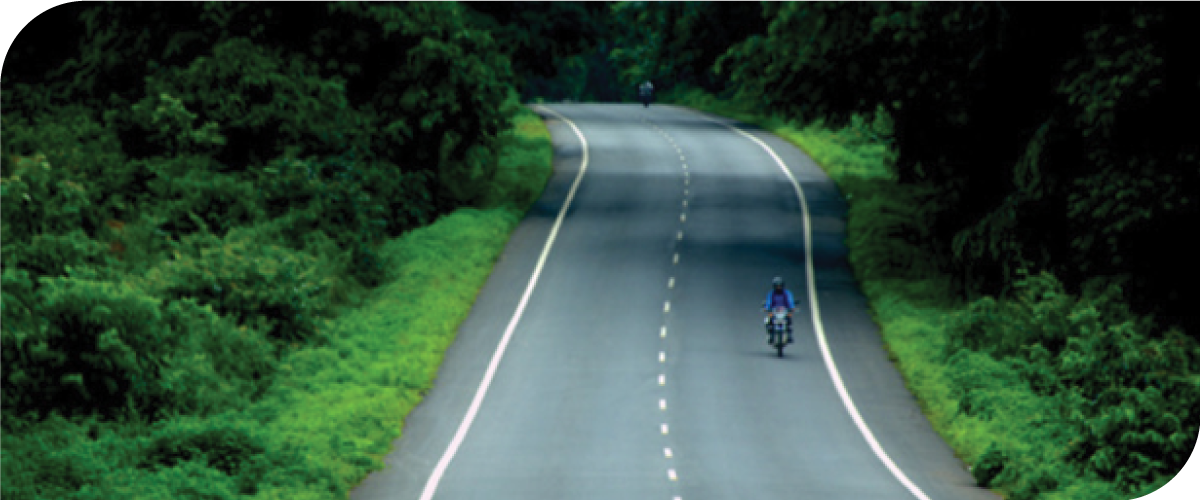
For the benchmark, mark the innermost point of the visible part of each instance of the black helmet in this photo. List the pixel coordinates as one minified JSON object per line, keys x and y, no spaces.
{"x":778,"y":281}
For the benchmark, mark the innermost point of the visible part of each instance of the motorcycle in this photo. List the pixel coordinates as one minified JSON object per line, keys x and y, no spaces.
{"x":645,"y":98}
{"x":778,"y":321}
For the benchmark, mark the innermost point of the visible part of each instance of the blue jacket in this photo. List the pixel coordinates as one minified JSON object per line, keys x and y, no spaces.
{"x":791,"y":303}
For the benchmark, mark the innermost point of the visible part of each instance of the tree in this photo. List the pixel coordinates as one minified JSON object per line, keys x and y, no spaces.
{"x":1027,"y":119}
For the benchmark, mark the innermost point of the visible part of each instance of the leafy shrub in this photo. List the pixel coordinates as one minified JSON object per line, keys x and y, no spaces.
{"x":170,"y":125}
{"x":266,"y":287}
{"x":96,"y":345}
{"x":221,"y":457}
{"x":1035,"y":481}
{"x":219,"y":366}
{"x":218,"y":443}
{"x":983,"y":384}
{"x":53,"y":458}
{"x":38,"y":199}
{"x":139,"y":244}
{"x":1094,"y":364}
{"x":49,"y":254}
{"x":63,"y":169}
{"x":1120,"y":379}
{"x":989,"y":465}
{"x":520,"y":175}
{"x":892,"y":240}
{"x":262,"y":100}
{"x":358,"y":204}
{"x":1039,"y":314}
{"x":190,"y":196}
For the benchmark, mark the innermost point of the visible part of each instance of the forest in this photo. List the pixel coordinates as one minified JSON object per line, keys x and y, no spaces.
{"x":211,"y":210}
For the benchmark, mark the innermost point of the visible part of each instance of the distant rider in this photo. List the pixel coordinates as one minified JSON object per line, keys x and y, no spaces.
{"x":645,"y":92}
{"x":779,"y":297}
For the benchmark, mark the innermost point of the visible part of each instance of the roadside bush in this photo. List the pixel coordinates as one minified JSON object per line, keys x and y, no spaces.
{"x":219,"y":365}
{"x":989,"y":465}
{"x":983,"y":384}
{"x":190,"y":196}
{"x":356,"y":203}
{"x":1102,"y":373}
{"x":1137,"y":398}
{"x":50,"y":254}
{"x":266,"y":287}
{"x":520,"y":176}
{"x":218,"y":443}
{"x":53,"y":458}
{"x":893,"y":241}
{"x":38,"y":199}
{"x":59,"y":168}
{"x":95,"y":346}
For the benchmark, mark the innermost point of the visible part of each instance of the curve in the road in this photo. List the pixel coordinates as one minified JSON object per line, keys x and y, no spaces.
{"x":819,"y":327}
{"x":590,"y":398}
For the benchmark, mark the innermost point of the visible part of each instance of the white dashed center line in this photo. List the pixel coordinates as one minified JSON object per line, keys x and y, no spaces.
{"x":662,"y":354}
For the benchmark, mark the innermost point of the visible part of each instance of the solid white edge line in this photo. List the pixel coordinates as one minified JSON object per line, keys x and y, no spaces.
{"x":436,"y":476}
{"x":820,"y":329}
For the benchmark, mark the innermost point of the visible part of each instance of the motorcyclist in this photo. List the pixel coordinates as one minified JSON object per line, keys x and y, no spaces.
{"x":779,"y":297}
{"x":645,"y":92}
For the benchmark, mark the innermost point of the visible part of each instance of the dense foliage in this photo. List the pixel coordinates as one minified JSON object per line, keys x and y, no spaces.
{"x":197,"y":195}
{"x":1046,"y":130}
{"x":1117,"y":400}
{"x":675,"y":44}
{"x":245,"y":158}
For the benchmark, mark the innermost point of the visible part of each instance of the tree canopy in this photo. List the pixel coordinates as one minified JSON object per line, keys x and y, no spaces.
{"x":1048,"y":130}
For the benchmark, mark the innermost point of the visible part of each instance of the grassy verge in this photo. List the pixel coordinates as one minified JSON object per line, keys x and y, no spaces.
{"x":984,"y":372}
{"x":334,"y":408}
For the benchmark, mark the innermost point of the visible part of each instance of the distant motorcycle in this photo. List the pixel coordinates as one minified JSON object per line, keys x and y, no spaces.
{"x":778,"y":331}
{"x":646,"y":93}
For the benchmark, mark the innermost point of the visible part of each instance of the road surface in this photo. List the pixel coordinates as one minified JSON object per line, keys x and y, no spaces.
{"x":637,"y":366}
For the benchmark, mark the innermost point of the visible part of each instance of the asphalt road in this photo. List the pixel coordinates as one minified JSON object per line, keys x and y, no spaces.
{"x":639,"y":368}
